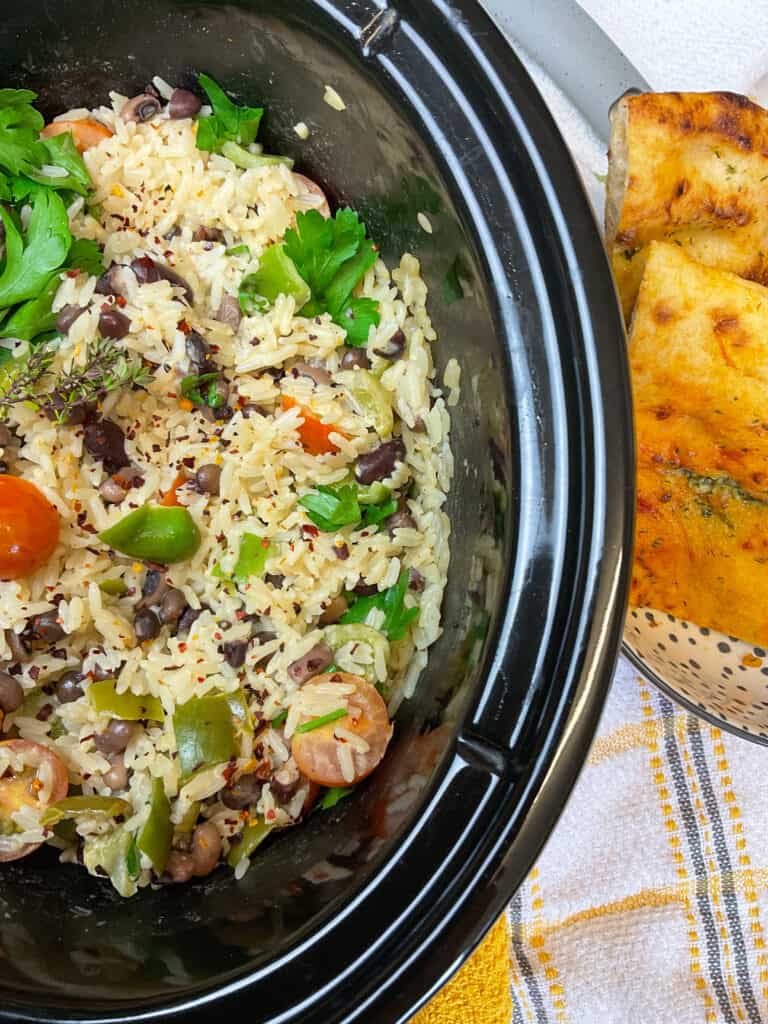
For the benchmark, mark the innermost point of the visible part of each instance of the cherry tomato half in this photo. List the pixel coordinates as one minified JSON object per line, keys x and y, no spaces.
{"x":22,"y":788}
{"x":29,"y":528}
{"x":317,"y":752}
{"x":315,"y":435}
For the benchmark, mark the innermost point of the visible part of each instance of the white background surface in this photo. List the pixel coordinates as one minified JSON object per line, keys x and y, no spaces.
{"x":684,"y":44}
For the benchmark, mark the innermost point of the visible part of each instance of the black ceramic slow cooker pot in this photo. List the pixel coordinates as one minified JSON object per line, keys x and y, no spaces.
{"x":365,"y":911}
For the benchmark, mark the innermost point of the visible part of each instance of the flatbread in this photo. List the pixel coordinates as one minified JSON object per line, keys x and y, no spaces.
{"x":690,"y":168}
{"x":698,"y":353}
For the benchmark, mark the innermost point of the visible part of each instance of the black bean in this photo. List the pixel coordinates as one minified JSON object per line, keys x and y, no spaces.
{"x":105,"y":440}
{"x":243,"y":793}
{"x":46,"y":627}
{"x":111,"y":492}
{"x":188,"y":619}
{"x":44,"y":713}
{"x":148,"y":271}
{"x":11,"y":693}
{"x":400,"y":520}
{"x":275,"y":579}
{"x":285,"y":782}
{"x":234,"y":652}
{"x":314,"y":661}
{"x":178,"y":281}
{"x":146,"y":625}
{"x":113,"y":324}
{"x":341,"y":551}
{"x":337,"y":607}
{"x":355,"y":357}
{"x":229,"y":312}
{"x":17,"y":644}
{"x":116,"y":778}
{"x":198,"y":352}
{"x":68,"y":687}
{"x":207,"y":478}
{"x":364,"y":589}
{"x":107,"y":284}
{"x":394,"y":348}
{"x":153,"y":589}
{"x":205,"y":234}
{"x":115,"y":737}
{"x":380,"y":463}
{"x":172,"y":607}
{"x":416,"y":581}
{"x":54,"y":406}
{"x":183,"y":103}
{"x":141,"y":108}
{"x":315,"y":373}
{"x":206,"y":848}
{"x":67,"y":316}
{"x":179,"y":867}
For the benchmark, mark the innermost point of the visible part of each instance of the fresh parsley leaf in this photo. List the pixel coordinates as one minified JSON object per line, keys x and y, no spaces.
{"x":31,"y":259}
{"x":375,"y":514}
{"x":34,"y":316}
{"x":228,"y":122}
{"x":333,"y":255}
{"x":331,"y":508}
{"x":21,"y":150}
{"x":62,"y":152}
{"x":86,"y":255}
{"x":5,"y":188}
{"x":397,"y":618}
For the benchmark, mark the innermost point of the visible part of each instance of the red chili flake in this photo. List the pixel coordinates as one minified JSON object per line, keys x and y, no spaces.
{"x":229,"y":771}
{"x":240,"y":616}
{"x":309,"y":531}
{"x":265,"y":543}
{"x":182,"y":647}
{"x":74,"y":272}
{"x":270,"y":815}
{"x":34,"y":672}
{"x":217,"y":636}
{"x":184,"y":327}
{"x":120,"y":300}
{"x":201,"y":679}
{"x":169,"y":254}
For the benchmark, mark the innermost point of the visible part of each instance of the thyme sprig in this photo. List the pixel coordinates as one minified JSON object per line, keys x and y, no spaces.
{"x":105,"y":368}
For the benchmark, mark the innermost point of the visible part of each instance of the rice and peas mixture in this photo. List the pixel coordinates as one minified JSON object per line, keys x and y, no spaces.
{"x":235,"y":498}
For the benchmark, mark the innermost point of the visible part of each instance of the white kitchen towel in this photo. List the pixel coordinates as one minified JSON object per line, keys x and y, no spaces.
{"x":649,"y":904}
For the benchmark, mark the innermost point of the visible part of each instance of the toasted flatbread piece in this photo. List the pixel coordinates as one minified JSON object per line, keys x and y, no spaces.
{"x":690,"y":168}
{"x":698,"y":353}
{"x":701,"y":552}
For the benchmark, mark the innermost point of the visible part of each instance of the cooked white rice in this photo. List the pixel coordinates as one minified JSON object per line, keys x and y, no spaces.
{"x":151,"y":181}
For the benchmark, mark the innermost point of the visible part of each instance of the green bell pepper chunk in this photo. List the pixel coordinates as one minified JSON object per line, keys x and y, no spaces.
{"x":205,"y":733}
{"x":114,"y":587}
{"x":372,"y":494}
{"x":371,"y":397}
{"x":104,"y":698}
{"x":251,"y":837}
{"x":277,"y":275}
{"x":241,"y":157}
{"x":111,"y":854}
{"x":71,"y":806}
{"x":251,"y":560}
{"x":154,"y":838}
{"x":155,"y":533}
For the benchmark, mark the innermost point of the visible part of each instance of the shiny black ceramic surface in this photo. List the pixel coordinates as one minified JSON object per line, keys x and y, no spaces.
{"x":361,"y":914}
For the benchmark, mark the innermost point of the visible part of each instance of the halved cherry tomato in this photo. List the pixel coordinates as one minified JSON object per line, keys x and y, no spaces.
{"x":170,"y":497}
{"x":317,"y":752}
{"x":313,"y":189}
{"x":85,"y":133}
{"x":315,"y":435}
{"x":29,"y":528}
{"x":22,"y":789}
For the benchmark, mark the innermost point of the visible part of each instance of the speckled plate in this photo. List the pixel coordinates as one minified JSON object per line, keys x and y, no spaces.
{"x":719,"y":677}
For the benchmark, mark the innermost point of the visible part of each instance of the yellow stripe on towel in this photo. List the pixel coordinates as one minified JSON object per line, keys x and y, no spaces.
{"x":479,"y":994}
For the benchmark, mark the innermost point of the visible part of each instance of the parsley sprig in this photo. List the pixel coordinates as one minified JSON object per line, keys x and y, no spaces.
{"x":331,"y":508}
{"x":397,"y":618}
{"x":228,"y":122}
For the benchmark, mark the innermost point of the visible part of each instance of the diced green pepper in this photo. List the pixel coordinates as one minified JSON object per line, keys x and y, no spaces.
{"x":132,"y":859}
{"x":104,"y":698}
{"x":371,"y":397}
{"x":71,"y":806}
{"x":155,"y":533}
{"x":238,"y":705}
{"x":111,"y":854}
{"x":277,"y":275}
{"x":333,"y":796}
{"x":244,"y":158}
{"x":251,"y":837}
{"x":252,"y":556}
{"x":205,"y":733}
{"x":114,"y":587}
{"x":372,"y":494}
{"x":154,"y":838}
